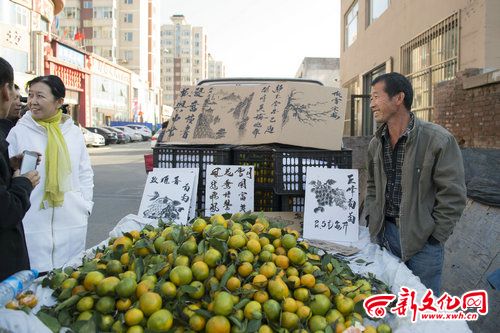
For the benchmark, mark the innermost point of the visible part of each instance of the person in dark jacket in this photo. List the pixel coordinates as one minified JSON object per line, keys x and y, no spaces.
{"x":14,"y":112}
{"x":15,"y":189}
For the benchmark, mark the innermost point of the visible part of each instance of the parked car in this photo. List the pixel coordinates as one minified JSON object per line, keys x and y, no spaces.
{"x":154,"y":138}
{"x":92,"y":139}
{"x":134,"y":135}
{"x":109,"y":137}
{"x":143,"y":130}
{"x":122,"y":137}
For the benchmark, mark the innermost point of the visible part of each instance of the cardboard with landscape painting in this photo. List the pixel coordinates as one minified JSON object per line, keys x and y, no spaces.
{"x":289,"y":113}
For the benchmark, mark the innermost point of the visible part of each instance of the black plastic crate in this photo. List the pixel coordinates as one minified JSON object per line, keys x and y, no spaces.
{"x":292,"y":203}
{"x":262,"y":158}
{"x":292,"y":163}
{"x":170,"y":156}
{"x":266,"y":200}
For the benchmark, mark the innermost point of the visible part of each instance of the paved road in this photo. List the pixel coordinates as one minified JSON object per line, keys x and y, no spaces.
{"x":119,"y":178}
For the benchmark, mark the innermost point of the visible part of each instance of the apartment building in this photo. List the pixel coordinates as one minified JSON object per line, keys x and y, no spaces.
{"x":125,"y":32}
{"x":428,"y":41}
{"x":215,"y":69}
{"x":324,"y":70}
{"x":24,"y":34}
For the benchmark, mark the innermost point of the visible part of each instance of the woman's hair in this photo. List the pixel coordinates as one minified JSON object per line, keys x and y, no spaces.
{"x":54,"y":82}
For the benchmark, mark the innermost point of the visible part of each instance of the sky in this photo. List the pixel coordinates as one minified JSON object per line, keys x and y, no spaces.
{"x":262,"y":38}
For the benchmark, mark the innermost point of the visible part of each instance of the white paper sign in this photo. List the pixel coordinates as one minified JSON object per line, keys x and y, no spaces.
{"x":167,"y":195}
{"x":194,"y":195}
{"x":331,"y":207}
{"x":229,"y":189}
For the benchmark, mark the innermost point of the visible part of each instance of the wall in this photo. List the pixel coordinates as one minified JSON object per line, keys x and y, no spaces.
{"x":469,"y":107}
{"x":479,"y":45}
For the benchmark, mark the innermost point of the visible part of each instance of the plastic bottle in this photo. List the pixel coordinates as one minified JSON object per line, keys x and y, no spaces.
{"x":15,"y":284}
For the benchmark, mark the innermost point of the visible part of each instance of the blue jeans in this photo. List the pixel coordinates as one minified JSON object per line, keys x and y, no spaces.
{"x":426,"y":264}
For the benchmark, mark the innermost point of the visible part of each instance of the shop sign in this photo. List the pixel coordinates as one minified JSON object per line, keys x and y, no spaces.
{"x":105,"y":69}
{"x":69,"y":55}
{"x":72,"y":78}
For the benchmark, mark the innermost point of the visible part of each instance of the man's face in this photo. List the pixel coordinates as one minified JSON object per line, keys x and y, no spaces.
{"x":382,"y":106}
{"x":6,"y":98}
{"x":15,"y":107}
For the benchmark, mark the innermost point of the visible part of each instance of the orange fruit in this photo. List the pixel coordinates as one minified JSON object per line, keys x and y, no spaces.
{"x":218,"y":324}
{"x":233,"y":283}
{"x":317,"y":323}
{"x":289,"y":320}
{"x":85,"y":303}
{"x":160,"y":321}
{"x":297,"y":256}
{"x":282,"y":261}
{"x":320,"y":305}
{"x":143,"y":287}
{"x":197,"y":322}
{"x":272,"y":309}
{"x":92,"y":279}
{"x":261,"y":296}
{"x":245,"y":269}
{"x":268,"y":269}
{"x":124,"y":242}
{"x":181,"y":275}
{"x":123,"y":304}
{"x":308,"y":280}
{"x":212,"y":257}
{"x":223,"y":304}
{"x":253,"y":310}
{"x":149,"y":303}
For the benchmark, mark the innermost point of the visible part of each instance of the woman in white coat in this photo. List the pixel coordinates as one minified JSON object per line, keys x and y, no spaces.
{"x":56,"y":224}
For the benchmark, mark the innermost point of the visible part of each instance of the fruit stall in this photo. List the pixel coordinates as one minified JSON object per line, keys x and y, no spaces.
{"x":226,"y":273}
{"x":249,"y":271}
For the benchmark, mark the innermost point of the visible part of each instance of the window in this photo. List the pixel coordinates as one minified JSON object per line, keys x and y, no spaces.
{"x":351,"y":25}
{"x":22,"y":16}
{"x":128,"y":36}
{"x":72,"y":12}
{"x":128,"y":55}
{"x":87,"y":4}
{"x":428,"y":59}
{"x":103,"y":13}
{"x":377,"y":8}
{"x":128,"y":2}
{"x":128,"y":18}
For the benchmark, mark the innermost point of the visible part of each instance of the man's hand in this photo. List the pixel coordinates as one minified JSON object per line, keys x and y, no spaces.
{"x":33,"y":176}
{"x":15,"y":161}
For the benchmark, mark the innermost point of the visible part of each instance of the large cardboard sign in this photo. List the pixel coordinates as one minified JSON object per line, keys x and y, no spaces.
{"x":167,"y":195}
{"x":290,"y":113}
{"x":229,"y":189}
{"x":331,"y":207}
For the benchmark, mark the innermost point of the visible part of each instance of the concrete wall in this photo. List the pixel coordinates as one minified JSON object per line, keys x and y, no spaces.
{"x":380,"y":42}
{"x":469,"y":107}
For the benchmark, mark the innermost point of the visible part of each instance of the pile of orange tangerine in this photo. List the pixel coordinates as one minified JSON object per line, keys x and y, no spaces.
{"x":223,"y":274}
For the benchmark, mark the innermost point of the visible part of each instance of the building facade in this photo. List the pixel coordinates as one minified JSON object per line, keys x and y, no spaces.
{"x":24,"y":30}
{"x":380,"y":36}
{"x":216,"y":69}
{"x":185,"y":59}
{"x":325,"y":70}
{"x":126,"y":33}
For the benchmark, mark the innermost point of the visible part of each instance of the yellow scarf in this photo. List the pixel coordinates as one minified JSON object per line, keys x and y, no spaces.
{"x":57,"y":163}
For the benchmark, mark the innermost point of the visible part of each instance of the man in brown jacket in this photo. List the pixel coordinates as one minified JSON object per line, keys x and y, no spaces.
{"x":416,"y":187}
